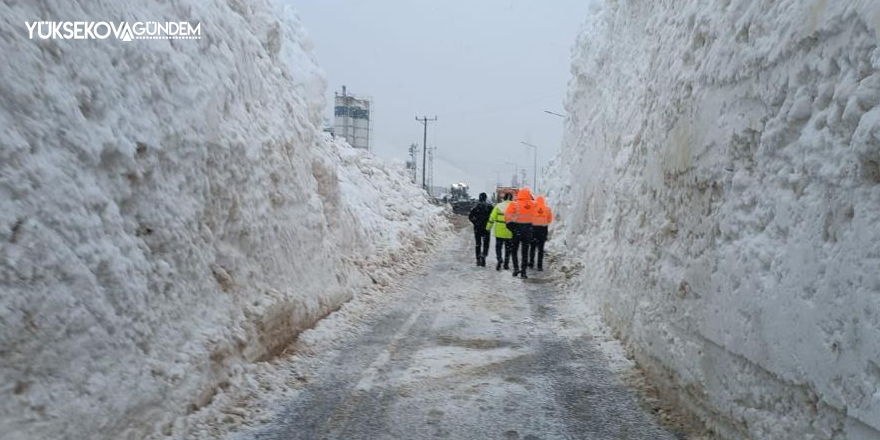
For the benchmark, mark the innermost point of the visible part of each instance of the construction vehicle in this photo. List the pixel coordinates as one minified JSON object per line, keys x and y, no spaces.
{"x":459,"y":192}
{"x":459,"y":199}
{"x":502,"y":190}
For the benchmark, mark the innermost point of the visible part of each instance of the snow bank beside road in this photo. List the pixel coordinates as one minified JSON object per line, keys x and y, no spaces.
{"x":720,"y":180}
{"x":170,"y":213}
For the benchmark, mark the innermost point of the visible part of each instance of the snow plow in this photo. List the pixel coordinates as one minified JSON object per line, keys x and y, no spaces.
{"x":459,"y":199}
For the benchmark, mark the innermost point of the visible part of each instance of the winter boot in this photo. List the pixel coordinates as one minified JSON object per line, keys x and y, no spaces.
{"x":540,"y":268}
{"x":506,"y":266}
{"x":515,"y":271}
{"x":498,"y":266}
{"x":523,"y":275}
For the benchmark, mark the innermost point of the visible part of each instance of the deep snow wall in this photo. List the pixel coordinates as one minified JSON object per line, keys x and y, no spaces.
{"x":720,"y":181}
{"x":170,"y":212}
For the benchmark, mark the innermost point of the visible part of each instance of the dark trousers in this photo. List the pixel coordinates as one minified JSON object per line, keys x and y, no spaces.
{"x":481,"y":236}
{"x":505,"y":243}
{"x":522,"y":236}
{"x":539,"y":237}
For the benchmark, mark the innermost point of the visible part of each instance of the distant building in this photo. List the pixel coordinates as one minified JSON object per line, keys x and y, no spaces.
{"x":352,"y":119}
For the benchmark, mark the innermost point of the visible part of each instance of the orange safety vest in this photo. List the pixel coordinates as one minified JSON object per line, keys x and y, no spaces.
{"x":521,"y":210}
{"x":543,"y":214}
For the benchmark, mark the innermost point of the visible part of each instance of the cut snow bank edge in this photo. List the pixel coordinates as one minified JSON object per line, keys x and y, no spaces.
{"x":720,"y":182}
{"x":170,"y":212}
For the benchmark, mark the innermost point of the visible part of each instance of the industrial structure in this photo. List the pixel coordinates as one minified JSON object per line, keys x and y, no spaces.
{"x":352,"y":119}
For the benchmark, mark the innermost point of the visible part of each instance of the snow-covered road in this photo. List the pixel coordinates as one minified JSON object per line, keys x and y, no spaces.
{"x":462,"y":352}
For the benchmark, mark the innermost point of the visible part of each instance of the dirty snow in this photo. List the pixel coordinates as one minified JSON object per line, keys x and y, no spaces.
{"x":171,"y":216}
{"x":720,"y":184}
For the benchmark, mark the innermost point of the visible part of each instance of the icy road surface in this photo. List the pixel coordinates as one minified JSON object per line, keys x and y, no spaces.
{"x":464,"y":353}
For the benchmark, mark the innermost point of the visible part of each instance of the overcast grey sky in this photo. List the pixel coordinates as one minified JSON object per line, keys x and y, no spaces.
{"x":487,"y":68}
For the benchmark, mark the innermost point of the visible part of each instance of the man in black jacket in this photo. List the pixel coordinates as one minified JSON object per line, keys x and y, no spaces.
{"x":479,"y":216}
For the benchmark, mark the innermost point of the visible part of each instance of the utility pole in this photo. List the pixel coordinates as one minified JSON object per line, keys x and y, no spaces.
{"x":535,"y":165}
{"x":424,"y":120}
{"x":413,"y":152}
{"x":431,"y":171}
{"x":513,"y":182}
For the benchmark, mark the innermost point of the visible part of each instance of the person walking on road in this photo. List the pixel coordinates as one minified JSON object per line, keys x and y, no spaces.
{"x":519,"y":216}
{"x":543,"y":217}
{"x":503,"y":235}
{"x":479,"y":217}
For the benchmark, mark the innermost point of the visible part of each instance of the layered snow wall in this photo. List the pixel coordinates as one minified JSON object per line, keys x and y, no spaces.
{"x":720,"y":181}
{"x":170,"y":212}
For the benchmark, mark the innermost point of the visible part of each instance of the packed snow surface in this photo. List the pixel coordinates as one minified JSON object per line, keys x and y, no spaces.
{"x":171,"y":214}
{"x":720,"y":182}
{"x":461,"y":352}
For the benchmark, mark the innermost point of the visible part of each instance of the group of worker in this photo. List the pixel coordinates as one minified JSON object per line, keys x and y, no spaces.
{"x":519,"y":226}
